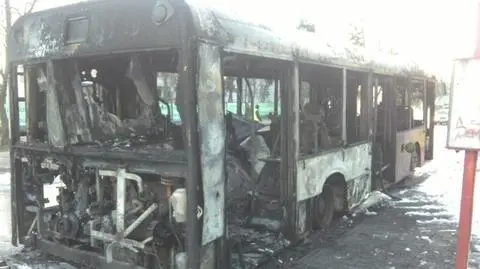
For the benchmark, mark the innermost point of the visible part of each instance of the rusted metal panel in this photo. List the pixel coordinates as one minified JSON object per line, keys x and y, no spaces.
{"x":212,"y":140}
{"x":289,"y":148}
{"x":239,"y":36}
{"x":84,"y":28}
{"x":352,"y":162}
{"x":293,"y":141}
{"x":250,"y":37}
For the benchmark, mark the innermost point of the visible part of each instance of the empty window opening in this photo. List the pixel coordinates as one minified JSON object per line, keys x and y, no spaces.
{"x":357,"y":104}
{"x":320,"y":108}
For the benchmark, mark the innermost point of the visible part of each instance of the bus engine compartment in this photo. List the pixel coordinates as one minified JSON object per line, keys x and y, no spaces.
{"x":78,"y":206}
{"x":134,"y":218}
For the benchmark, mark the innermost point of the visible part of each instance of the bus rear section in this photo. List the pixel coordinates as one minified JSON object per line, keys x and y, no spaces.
{"x":405,"y":123}
{"x":102,"y":175}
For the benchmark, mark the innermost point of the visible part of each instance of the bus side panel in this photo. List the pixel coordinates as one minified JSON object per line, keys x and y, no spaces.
{"x":354,"y":163}
{"x":402,"y":157}
{"x":212,"y":141}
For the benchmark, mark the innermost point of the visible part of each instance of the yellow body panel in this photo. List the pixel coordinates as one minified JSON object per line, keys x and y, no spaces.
{"x":405,"y":140}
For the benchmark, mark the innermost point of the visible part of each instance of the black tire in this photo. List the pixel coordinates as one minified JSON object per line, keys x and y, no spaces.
{"x":323,"y":208}
{"x":377,"y":165}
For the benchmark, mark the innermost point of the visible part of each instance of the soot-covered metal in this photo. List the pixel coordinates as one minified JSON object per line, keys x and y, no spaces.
{"x":112,"y":101}
{"x":121,"y":165}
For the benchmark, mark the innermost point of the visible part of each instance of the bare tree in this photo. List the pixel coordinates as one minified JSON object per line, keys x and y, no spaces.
{"x":263,"y":88}
{"x":357,"y":35}
{"x":230,"y":87}
{"x":306,"y":26}
{"x":392,"y":51}
{"x":168,"y":87}
{"x":10,"y":12}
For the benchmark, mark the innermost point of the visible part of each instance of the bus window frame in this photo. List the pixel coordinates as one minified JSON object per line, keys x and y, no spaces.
{"x":306,"y":69}
{"x":288,"y":78}
{"x":362,"y":91}
{"x":423,"y":89}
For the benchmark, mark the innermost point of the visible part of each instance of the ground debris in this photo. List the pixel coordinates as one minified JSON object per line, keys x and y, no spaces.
{"x":252,"y":248}
{"x":374,"y":199}
{"x":29,"y":259}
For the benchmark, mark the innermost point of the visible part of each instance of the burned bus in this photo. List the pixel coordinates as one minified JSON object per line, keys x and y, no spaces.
{"x":404,"y":124}
{"x":140,"y":147}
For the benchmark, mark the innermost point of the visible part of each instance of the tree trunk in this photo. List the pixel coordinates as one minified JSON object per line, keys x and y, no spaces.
{"x":4,"y":134}
{"x":230,"y":87}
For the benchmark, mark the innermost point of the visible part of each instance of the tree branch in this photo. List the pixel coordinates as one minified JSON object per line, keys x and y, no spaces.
{"x":26,"y":10}
{"x":3,"y":76}
{"x":32,"y":6}
{"x":3,"y":28}
{"x":16,"y":11}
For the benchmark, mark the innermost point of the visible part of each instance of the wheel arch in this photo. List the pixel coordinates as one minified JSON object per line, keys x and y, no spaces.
{"x":337,"y":181}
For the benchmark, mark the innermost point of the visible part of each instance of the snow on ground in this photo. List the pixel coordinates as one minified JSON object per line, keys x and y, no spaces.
{"x":5,"y":179}
{"x":444,"y":186}
{"x":50,"y":191}
{"x":5,"y":226}
{"x":436,"y":201}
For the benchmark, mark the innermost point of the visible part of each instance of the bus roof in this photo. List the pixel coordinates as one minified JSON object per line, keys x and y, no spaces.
{"x":100,"y":27}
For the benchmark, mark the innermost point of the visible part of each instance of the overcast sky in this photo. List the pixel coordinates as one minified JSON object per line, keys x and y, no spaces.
{"x":431,"y":31}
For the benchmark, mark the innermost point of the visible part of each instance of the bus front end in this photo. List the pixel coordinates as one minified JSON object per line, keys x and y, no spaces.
{"x":101,"y":175}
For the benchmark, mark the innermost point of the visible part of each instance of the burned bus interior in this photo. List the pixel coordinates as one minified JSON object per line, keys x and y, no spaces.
{"x":115,"y":118}
{"x":115,"y":137}
{"x":102,"y":115}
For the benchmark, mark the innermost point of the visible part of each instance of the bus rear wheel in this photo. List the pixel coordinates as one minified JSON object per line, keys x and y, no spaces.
{"x":323,"y":208}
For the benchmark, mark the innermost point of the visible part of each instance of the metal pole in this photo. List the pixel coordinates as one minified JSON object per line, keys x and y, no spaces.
{"x":477,"y":48}
{"x":187,"y":92}
{"x":344,"y":105}
{"x":466,"y":208}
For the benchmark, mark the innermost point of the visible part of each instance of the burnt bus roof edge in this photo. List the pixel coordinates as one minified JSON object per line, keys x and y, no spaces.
{"x":115,"y":26}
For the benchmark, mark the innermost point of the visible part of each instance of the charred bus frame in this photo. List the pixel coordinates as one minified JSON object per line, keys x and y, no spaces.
{"x":314,"y":175}
{"x":404,"y":125}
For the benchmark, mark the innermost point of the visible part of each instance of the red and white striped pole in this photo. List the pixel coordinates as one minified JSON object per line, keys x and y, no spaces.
{"x":469,"y":171}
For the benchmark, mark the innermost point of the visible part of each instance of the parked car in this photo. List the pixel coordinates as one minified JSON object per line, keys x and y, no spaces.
{"x":441,"y":117}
